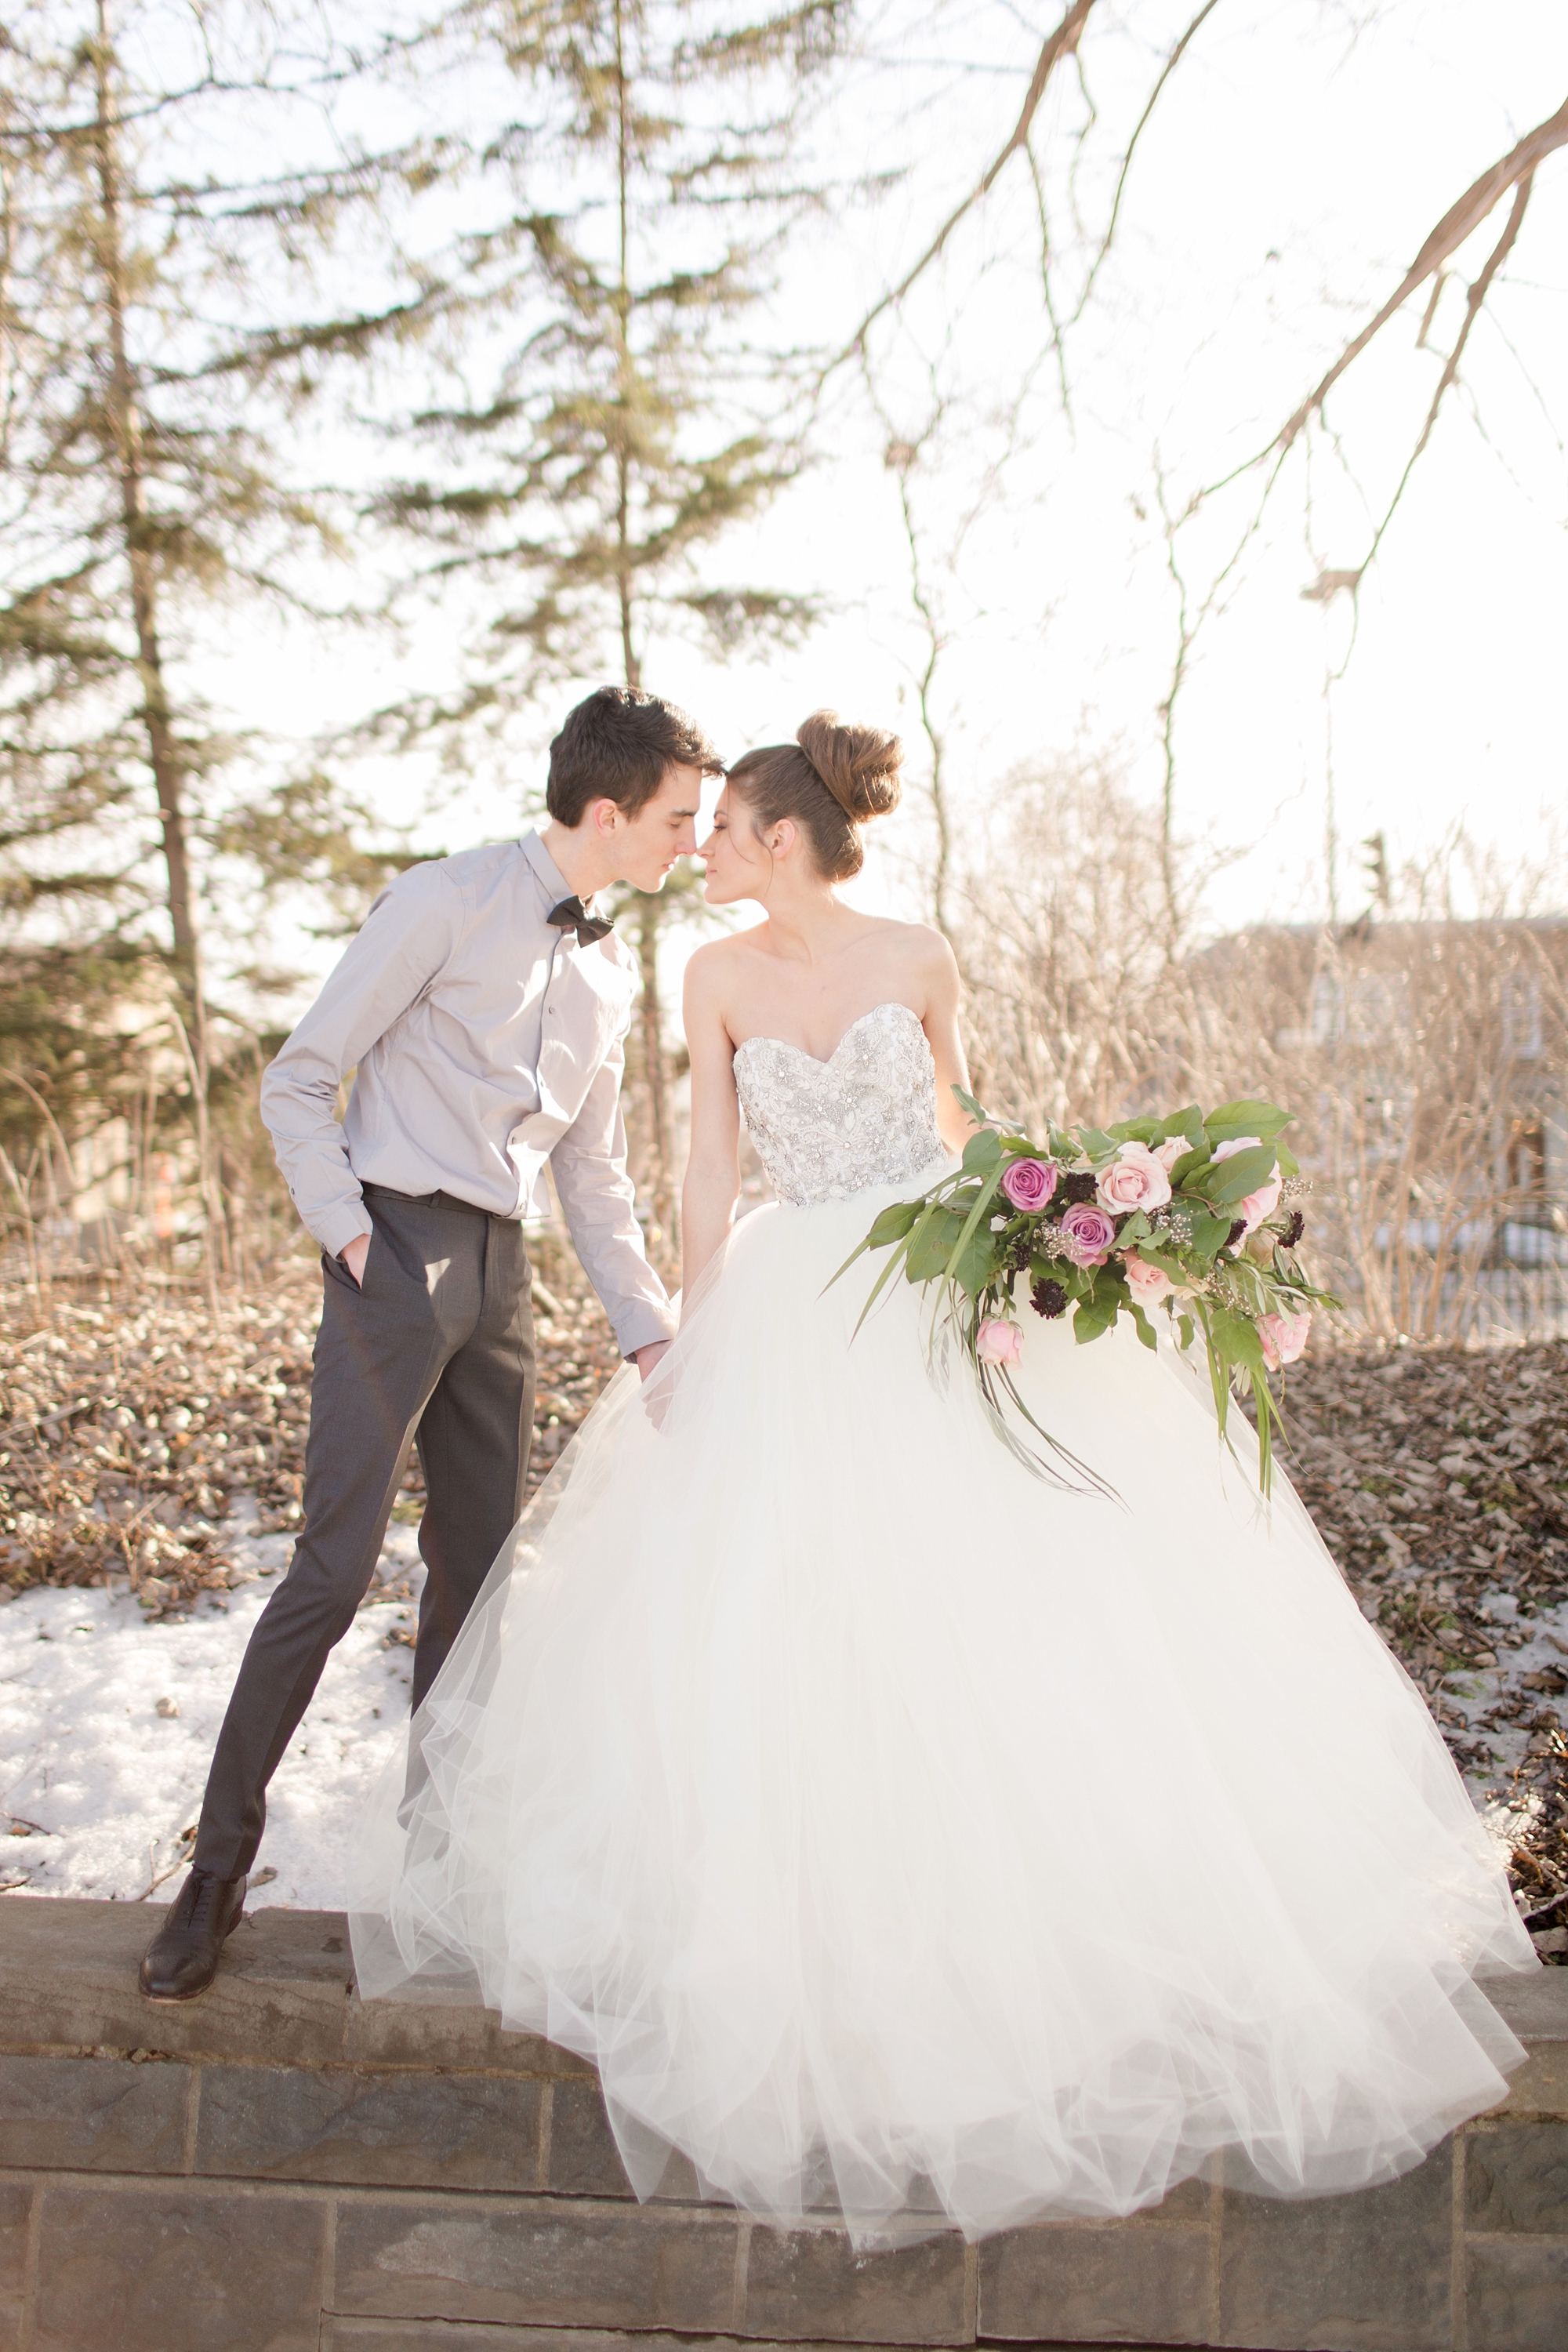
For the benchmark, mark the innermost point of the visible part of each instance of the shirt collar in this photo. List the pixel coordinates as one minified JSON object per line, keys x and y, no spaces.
{"x":552,"y":880}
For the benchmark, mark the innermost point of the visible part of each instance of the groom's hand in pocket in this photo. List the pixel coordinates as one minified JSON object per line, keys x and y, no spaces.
{"x":355,"y":1256}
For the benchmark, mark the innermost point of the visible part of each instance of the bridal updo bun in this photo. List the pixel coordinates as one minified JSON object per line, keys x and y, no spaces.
{"x":832,"y":780}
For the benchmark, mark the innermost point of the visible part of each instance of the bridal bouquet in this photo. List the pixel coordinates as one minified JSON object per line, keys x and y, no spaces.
{"x":1192,"y":1215}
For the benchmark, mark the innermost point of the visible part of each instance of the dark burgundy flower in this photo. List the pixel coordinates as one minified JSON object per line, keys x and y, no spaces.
{"x":1296,"y":1228}
{"x":1049,"y":1298}
{"x":1079,"y":1186}
{"x":1235,"y":1232}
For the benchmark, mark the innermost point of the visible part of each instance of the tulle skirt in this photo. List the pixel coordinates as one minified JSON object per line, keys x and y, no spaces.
{"x":902,"y":1836}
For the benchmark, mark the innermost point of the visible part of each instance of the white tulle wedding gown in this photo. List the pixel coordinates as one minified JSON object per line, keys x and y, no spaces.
{"x":901,"y":1835}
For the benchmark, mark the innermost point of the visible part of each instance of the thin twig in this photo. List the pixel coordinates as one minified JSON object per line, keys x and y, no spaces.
{"x":1062,"y":43}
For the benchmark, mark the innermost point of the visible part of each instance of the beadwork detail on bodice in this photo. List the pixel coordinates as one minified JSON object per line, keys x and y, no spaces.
{"x":826,"y":1130}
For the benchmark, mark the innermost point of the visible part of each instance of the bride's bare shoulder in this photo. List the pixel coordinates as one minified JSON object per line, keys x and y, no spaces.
{"x":921,"y":949}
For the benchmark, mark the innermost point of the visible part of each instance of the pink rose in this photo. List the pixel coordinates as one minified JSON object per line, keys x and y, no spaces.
{"x":997,"y":1341}
{"x":1087,"y":1233}
{"x":1284,"y":1338}
{"x":1146,"y":1283}
{"x":1167,"y":1154}
{"x":1029,"y":1183}
{"x":1134,"y":1179}
{"x":1253,"y":1207}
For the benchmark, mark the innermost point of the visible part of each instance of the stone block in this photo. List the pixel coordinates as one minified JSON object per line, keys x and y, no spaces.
{"x":542,"y":2262}
{"x":449,"y":2027}
{"x":340,"y":2124}
{"x":68,"y":1977}
{"x":1516,"y":2177}
{"x":584,"y":2158}
{"x":15,"y":2209}
{"x":1094,"y":2282}
{"x":148,"y":2268}
{"x":92,"y":2115}
{"x":1516,"y":2294}
{"x":1366,"y":2273}
{"x":1540,"y":2085}
{"x":1534,"y":2003}
{"x":806,"y":2285}
{"x":399,"y":2335}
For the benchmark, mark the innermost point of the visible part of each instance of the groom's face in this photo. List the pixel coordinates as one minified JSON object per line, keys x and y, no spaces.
{"x":647,"y":846}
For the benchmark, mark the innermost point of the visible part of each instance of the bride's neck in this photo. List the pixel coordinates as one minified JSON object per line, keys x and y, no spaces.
{"x":805,"y":925}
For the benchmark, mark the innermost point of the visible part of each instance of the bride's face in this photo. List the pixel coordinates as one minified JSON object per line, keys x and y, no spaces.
{"x":738,"y":864}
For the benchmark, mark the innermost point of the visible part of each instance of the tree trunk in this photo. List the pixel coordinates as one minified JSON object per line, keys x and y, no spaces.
{"x":162,"y":748}
{"x":658,"y":1175}
{"x":125,"y":424}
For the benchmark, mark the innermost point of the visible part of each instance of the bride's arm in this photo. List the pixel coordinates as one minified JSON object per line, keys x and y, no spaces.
{"x":946,"y":1045}
{"x":713,"y":1184}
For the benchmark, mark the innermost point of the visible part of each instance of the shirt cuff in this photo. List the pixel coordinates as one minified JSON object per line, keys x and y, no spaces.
{"x":644,"y":1324}
{"x":341,"y":1225}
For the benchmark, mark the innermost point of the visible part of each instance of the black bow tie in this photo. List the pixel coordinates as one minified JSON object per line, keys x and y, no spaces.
{"x":571,"y":915}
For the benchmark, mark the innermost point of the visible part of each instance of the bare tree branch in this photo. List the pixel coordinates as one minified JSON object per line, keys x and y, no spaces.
{"x":1169,"y":68}
{"x":1460,"y":221}
{"x":1062,"y":43}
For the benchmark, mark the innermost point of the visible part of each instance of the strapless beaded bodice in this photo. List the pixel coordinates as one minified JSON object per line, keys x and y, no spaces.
{"x":826,"y":1130}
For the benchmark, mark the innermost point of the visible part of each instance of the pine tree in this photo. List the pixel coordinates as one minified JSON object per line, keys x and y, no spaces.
{"x":143,"y":492}
{"x":630,"y":424}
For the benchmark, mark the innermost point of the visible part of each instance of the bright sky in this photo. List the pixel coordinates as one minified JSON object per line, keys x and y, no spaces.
{"x":1295,"y":162}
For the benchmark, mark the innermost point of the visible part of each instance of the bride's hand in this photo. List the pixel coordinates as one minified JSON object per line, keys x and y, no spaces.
{"x":648,"y":1360}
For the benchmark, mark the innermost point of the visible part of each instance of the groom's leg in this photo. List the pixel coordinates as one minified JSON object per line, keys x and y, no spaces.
{"x":380,"y":1352}
{"x":474,"y":1440}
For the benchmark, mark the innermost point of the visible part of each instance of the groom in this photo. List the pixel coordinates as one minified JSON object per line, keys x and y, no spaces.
{"x":484,"y":1009}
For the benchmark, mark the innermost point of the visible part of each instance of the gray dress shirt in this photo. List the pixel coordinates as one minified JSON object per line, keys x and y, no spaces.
{"x":485,"y":1043}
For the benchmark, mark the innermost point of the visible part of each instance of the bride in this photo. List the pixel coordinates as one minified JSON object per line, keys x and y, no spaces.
{"x":898,"y":1835}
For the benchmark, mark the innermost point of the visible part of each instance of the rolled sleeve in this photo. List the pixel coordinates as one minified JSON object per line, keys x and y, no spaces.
{"x":406,"y":937}
{"x":599,"y":1203}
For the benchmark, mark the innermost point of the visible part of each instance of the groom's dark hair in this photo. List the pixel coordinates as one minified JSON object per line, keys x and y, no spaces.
{"x":615,"y":746}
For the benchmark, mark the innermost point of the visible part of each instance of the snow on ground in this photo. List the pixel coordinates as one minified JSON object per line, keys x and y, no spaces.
{"x":100,"y":1780}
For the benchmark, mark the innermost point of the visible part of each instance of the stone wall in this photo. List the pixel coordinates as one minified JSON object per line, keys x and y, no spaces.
{"x":279,"y":2168}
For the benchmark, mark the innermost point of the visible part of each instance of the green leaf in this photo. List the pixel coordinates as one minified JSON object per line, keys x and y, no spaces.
{"x":1092,"y":1320}
{"x":933,"y":1244}
{"x":1145,"y":1328}
{"x":982,"y":1153}
{"x":1288,"y":1164}
{"x":1188,"y":1122}
{"x":1247,"y":1117}
{"x":1188,"y":1165}
{"x":976,"y":1262}
{"x":894,"y":1223}
{"x":1231,"y":1180}
{"x":1098,"y":1145}
{"x":1134,"y":1130}
{"x":1210,"y":1234}
{"x":1185,"y":1328}
{"x":976,"y":1111}
{"x":1136,"y":1229}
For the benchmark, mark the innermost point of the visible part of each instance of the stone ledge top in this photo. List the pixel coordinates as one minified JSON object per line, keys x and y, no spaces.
{"x":285,"y":1996}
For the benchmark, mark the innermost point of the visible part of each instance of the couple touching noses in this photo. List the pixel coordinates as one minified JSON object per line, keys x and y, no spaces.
{"x":483,"y":1011}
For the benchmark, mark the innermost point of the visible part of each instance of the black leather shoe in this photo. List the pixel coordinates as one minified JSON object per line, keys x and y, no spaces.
{"x":182,"y":1956}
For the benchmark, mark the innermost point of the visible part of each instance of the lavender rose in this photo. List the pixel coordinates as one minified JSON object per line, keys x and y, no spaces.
{"x":1087,"y":1233}
{"x":1029,"y":1183}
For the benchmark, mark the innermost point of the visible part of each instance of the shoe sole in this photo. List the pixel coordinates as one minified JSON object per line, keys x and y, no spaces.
{"x":177,"y":2000}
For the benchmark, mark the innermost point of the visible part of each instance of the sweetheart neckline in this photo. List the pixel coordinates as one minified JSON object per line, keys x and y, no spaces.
{"x":893,"y":1004}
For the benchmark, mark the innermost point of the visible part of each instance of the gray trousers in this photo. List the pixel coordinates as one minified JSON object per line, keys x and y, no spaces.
{"x":437,"y":1346}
